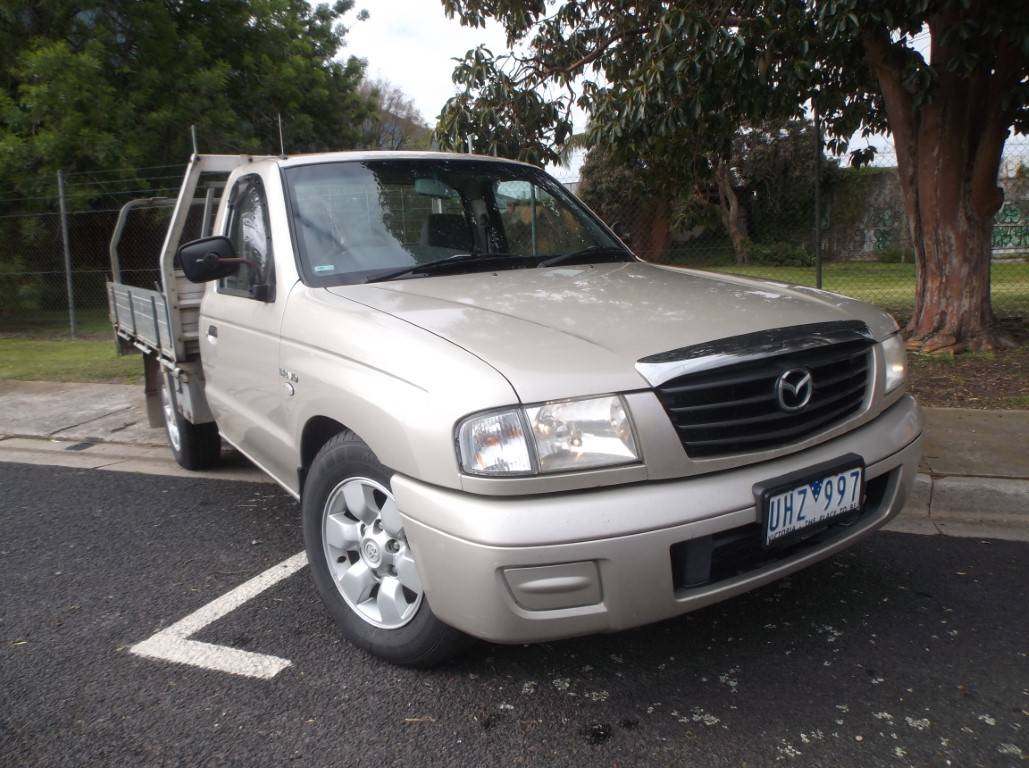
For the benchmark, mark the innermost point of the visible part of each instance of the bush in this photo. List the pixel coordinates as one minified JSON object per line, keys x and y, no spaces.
{"x":18,"y":291}
{"x":780,"y":255}
{"x":895,"y":256}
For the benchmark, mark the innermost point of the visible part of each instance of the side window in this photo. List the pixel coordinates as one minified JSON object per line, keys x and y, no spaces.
{"x":250,"y":233}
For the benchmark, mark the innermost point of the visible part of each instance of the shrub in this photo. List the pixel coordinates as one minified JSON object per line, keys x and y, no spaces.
{"x":895,"y":256}
{"x":18,"y":291}
{"x":780,"y":255}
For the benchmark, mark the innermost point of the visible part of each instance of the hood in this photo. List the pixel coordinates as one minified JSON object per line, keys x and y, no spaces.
{"x":573,"y":331}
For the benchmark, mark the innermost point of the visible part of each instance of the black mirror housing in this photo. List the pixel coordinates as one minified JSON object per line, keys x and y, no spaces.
{"x":209,"y":258}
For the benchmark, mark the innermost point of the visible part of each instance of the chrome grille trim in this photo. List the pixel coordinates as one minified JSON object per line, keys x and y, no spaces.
{"x":664,"y":366}
{"x":732,"y":409}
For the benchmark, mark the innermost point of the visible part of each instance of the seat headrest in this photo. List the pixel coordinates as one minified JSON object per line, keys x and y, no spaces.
{"x":447,"y":230}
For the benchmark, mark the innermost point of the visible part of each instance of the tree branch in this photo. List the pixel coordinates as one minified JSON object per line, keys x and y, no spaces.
{"x":602,"y":47}
{"x":545,"y":73}
{"x":986,"y":197}
{"x":881,"y":57}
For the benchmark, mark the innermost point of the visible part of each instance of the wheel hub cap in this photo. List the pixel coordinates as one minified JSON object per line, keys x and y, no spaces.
{"x":371,"y":552}
{"x":168,"y":409}
{"x":367,"y":553}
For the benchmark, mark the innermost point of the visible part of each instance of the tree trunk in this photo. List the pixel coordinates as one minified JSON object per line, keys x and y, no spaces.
{"x":650,"y":229}
{"x":948,"y":157}
{"x":952,"y":295}
{"x":729,"y":206}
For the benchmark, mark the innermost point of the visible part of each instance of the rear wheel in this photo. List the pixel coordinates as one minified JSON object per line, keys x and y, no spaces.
{"x":361,"y":561}
{"x":195,"y":446}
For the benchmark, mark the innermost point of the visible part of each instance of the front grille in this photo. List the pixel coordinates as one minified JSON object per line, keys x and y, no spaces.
{"x":734,"y":409}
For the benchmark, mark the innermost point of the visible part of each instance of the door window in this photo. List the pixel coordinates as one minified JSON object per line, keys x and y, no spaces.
{"x":250,"y":233}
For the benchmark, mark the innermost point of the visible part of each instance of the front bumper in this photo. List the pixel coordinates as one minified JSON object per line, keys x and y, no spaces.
{"x":528,"y":569}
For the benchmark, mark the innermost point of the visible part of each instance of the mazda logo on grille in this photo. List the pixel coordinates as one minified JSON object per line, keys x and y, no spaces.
{"x":794,"y":388}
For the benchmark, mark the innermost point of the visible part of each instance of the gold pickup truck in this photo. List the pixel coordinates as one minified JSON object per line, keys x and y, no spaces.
{"x":499,"y":422}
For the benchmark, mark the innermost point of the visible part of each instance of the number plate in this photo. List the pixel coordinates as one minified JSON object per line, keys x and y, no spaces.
{"x":795,"y":505}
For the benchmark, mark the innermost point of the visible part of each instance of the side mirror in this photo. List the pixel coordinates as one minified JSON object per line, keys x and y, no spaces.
{"x":209,"y":258}
{"x":622,"y":232}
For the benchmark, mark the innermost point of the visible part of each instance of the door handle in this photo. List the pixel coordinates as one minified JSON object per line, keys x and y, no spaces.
{"x":212,"y":334}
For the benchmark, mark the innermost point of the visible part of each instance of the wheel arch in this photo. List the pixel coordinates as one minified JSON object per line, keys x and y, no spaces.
{"x":318,"y":430}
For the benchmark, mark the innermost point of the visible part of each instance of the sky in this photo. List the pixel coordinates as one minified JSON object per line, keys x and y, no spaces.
{"x":412,"y":44}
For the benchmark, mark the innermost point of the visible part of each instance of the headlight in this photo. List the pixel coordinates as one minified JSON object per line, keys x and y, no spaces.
{"x":896,"y":362}
{"x":566,"y":436}
{"x":581,"y":434}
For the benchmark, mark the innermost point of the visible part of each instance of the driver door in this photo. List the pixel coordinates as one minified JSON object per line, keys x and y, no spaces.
{"x":240,"y":320}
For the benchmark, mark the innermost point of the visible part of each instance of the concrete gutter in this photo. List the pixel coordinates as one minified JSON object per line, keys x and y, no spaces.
{"x":120,"y":457}
{"x":101,"y":413}
{"x":95,"y":426}
{"x":974,"y":479}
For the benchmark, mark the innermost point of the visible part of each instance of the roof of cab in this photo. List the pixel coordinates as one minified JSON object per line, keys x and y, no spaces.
{"x":337,"y":157}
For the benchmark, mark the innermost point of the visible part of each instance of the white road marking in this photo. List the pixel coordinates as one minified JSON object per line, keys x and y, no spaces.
{"x":173,"y":643}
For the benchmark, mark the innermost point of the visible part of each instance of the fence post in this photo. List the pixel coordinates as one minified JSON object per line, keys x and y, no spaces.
{"x":818,"y":193}
{"x":67,"y":252}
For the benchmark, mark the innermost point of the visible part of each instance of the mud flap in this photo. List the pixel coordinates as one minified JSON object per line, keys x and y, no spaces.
{"x":152,"y":388}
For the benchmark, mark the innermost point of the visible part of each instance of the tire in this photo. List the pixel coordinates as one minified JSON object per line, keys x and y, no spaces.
{"x":361,"y":563}
{"x":195,"y":446}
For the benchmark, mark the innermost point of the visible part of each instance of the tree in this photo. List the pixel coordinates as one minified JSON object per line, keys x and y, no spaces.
{"x":668,"y":81}
{"x":777,"y":166}
{"x":621,"y":193}
{"x":116,"y":84}
{"x":764,"y":191}
{"x":396,"y":122}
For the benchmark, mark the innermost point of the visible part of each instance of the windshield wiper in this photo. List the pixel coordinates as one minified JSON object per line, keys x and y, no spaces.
{"x":591,"y":252}
{"x":458,"y":259}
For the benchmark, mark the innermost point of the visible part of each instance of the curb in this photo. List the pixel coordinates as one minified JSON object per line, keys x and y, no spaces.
{"x":987,"y":507}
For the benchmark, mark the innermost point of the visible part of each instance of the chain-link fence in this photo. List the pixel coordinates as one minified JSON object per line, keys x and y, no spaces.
{"x":756,"y":217}
{"x":38,"y":291}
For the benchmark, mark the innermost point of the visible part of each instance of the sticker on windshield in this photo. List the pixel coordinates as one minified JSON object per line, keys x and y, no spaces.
{"x":325,"y":268}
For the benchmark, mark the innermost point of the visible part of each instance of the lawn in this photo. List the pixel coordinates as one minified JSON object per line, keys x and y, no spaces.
{"x":67,"y":360}
{"x":890,"y":286}
{"x":89,"y":323}
{"x":38,"y":347}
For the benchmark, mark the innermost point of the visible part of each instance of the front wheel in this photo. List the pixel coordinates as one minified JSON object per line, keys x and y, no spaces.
{"x":361,"y":562}
{"x":195,"y":446}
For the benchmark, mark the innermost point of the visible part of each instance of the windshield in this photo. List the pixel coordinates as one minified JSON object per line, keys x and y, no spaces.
{"x":356,"y":221}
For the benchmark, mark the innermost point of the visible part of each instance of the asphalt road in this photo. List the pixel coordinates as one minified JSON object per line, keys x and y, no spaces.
{"x":905,"y":650}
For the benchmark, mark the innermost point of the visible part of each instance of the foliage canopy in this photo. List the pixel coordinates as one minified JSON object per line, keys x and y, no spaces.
{"x":109,"y":83}
{"x":654,"y":74}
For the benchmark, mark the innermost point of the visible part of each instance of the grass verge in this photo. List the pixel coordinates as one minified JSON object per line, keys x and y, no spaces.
{"x":88,"y":360}
{"x":890,"y":286}
{"x":37,"y":347}
{"x":49,"y":324}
